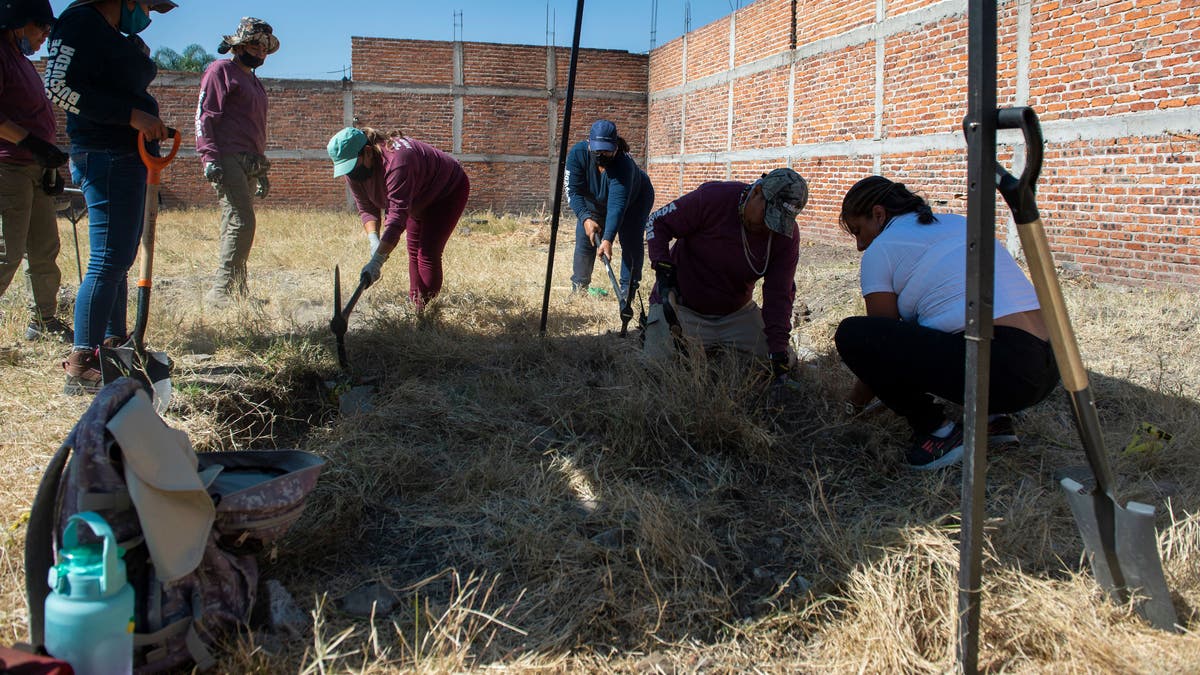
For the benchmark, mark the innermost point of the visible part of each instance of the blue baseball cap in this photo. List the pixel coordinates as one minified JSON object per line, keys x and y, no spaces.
{"x":344,"y":148}
{"x":603,"y":136}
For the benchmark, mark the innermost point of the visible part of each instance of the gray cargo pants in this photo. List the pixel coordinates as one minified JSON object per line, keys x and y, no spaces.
{"x":29,"y":229}
{"x":236,"y":189}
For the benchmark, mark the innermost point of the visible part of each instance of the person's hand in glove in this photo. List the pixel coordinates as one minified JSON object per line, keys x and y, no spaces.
{"x":213,"y":173}
{"x":664,"y":277}
{"x":374,"y":268}
{"x":45,"y":153}
{"x":264,"y":187}
{"x":780,"y":366}
{"x":52,"y":182}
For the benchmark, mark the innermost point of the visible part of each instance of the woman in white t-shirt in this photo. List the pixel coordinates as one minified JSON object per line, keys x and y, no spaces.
{"x":910,"y":346}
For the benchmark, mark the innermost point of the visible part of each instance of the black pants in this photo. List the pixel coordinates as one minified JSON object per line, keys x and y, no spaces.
{"x":904,"y":363}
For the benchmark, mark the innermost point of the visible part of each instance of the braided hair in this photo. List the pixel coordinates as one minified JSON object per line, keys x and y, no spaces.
{"x":875,"y":191}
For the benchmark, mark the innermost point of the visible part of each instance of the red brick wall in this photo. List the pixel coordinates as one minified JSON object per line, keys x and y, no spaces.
{"x":407,"y":85}
{"x":1121,"y":198}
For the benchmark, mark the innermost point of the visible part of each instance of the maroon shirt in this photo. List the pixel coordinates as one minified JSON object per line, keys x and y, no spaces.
{"x":23,"y":102}
{"x":709,"y":255}
{"x":232,"y":113}
{"x":414,"y":176}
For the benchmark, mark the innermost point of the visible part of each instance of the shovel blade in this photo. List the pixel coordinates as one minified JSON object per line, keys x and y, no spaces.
{"x":1132,"y":548}
{"x":153,"y":373}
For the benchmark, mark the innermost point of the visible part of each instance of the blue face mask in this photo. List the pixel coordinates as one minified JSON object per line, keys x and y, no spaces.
{"x":133,"y":21}
{"x":25,"y":46}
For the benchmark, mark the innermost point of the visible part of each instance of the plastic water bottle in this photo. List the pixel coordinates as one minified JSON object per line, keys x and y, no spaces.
{"x":89,"y":612}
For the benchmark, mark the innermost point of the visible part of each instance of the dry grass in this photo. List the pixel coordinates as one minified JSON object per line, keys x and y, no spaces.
{"x":558,"y":505}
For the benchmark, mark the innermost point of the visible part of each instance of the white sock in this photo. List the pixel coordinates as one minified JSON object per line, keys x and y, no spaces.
{"x":943,"y":431}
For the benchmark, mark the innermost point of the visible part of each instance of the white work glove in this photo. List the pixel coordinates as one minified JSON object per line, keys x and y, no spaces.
{"x":213,"y":173}
{"x":373,"y":237}
{"x":374,"y":268}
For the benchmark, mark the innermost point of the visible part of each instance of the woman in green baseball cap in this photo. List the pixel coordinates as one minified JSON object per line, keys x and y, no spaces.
{"x":412,"y":188}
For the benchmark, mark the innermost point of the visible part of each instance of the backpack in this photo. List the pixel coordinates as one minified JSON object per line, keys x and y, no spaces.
{"x":256,"y":496}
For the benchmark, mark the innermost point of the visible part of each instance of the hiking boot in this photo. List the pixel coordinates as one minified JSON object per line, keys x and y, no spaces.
{"x":49,"y":329}
{"x":83,"y":373}
{"x":931,"y":452}
{"x":1001,"y":433}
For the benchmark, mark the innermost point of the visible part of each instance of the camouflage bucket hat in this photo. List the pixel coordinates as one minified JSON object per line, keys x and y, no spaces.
{"x":786,"y":194}
{"x":251,"y":31}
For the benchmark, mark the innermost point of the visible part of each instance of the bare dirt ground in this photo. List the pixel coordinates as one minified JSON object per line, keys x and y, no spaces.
{"x":555,"y":503}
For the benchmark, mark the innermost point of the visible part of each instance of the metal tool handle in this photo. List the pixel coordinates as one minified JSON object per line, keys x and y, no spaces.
{"x":1019,"y":193}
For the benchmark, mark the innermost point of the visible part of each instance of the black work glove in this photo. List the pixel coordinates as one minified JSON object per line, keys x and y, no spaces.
{"x":779,"y":365}
{"x":52,"y":182}
{"x":664,"y":276}
{"x":213,"y":173}
{"x":47,"y":154}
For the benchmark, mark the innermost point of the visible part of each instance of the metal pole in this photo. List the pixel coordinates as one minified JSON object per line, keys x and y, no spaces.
{"x":562,"y":161}
{"x":980,"y":130}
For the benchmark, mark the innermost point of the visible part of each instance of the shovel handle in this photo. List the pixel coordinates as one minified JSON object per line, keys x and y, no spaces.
{"x":155,"y":164}
{"x":1019,"y":193}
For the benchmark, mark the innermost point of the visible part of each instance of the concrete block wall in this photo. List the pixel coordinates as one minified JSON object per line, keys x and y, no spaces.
{"x":843,"y":90}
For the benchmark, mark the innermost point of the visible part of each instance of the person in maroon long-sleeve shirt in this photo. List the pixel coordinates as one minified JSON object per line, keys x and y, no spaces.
{"x":709,"y":248}
{"x":29,"y":163}
{"x":413,"y":189}
{"x":231,"y":139}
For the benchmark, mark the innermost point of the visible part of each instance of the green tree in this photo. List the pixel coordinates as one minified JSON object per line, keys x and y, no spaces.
{"x":193,"y":59}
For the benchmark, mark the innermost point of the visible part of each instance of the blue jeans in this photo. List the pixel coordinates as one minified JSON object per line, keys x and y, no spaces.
{"x":633,"y":250}
{"x":114,"y":186}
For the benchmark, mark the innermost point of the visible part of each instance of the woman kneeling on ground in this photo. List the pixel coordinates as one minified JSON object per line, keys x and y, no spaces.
{"x":422,"y":190}
{"x":910,"y":346}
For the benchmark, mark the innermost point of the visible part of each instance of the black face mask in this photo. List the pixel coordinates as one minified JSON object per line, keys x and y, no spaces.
{"x":249,"y":61}
{"x":602,"y":161}
{"x":359,"y":173}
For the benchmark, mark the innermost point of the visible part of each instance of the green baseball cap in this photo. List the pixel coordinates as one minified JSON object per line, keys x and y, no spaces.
{"x":786,"y":194}
{"x":344,"y":148}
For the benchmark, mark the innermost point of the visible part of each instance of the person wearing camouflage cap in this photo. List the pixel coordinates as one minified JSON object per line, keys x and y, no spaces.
{"x":708,"y":250}
{"x":29,"y":162}
{"x":231,"y":139}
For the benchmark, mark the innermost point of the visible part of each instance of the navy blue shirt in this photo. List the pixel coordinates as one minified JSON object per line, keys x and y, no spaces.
{"x":98,"y":75}
{"x":605,"y":197}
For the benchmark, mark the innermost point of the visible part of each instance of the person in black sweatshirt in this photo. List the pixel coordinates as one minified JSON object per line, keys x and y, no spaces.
{"x":98,"y":71}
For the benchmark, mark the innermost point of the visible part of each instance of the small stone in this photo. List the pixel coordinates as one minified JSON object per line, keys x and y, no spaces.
{"x":277,"y":610}
{"x":357,"y":401}
{"x":375,"y":597}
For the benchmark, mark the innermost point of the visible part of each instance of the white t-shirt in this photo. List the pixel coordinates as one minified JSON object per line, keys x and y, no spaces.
{"x":926,"y":267}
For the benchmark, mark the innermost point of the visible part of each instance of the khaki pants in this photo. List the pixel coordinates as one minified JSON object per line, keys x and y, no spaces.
{"x":237,"y":221}
{"x":29,"y":230}
{"x":742,"y":330}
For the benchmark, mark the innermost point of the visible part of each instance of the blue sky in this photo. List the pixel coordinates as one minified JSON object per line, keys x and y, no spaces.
{"x":315,"y":36}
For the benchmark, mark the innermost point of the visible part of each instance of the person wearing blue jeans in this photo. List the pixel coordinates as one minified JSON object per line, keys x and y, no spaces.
{"x":611,"y":197}
{"x":99,"y":72}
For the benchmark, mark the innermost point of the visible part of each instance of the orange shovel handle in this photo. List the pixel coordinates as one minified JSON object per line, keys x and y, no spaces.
{"x":155,"y":165}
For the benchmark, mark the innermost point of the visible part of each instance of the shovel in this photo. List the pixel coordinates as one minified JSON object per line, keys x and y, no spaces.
{"x":1120,"y":540}
{"x":339,"y":323}
{"x":151,"y":369}
{"x":626,"y":307}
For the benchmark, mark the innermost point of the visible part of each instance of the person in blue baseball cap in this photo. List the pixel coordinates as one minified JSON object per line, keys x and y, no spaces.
{"x":611,"y":197}
{"x":413,"y":189}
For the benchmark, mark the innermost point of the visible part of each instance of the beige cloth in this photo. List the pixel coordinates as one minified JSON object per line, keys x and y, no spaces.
{"x":173,"y":507}
{"x":742,"y":330}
